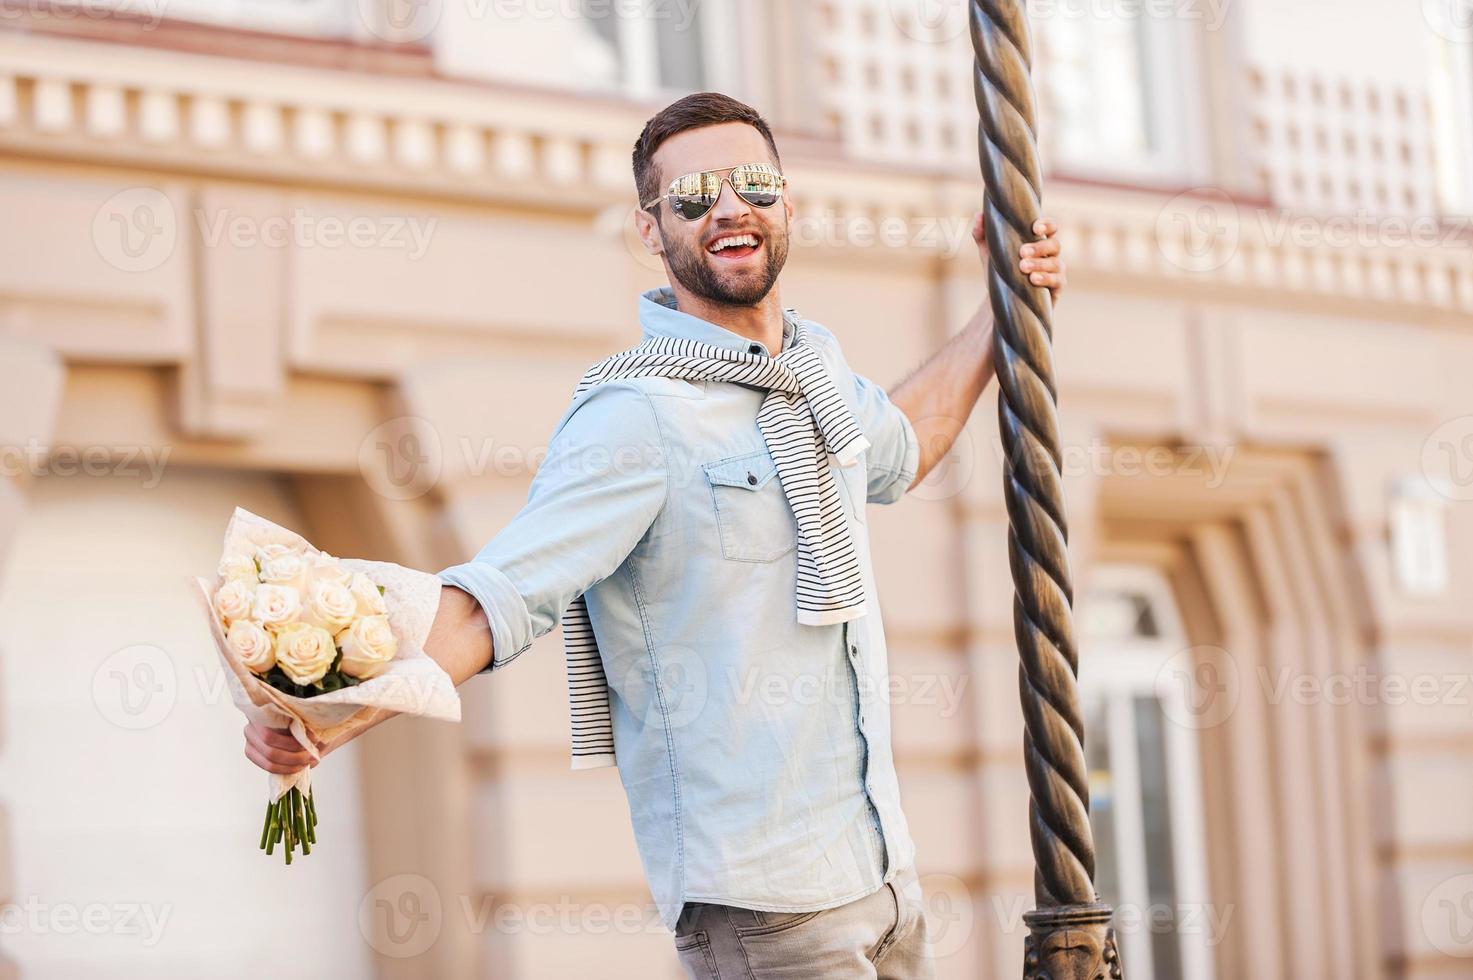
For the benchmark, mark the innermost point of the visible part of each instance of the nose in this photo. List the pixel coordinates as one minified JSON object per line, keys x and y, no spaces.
{"x":729,"y":204}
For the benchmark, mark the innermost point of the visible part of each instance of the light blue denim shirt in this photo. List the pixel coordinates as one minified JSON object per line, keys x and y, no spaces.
{"x":755,"y":751}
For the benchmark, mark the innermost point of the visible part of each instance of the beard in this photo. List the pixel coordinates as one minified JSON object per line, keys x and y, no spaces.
{"x":690,"y":266}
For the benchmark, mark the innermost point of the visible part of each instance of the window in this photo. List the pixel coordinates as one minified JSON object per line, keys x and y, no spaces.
{"x":1452,"y":102}
{"x":672,"y":46}
{"x":1145,"y":779}
{"x":327,"y":18}
{"x":1117,"y":93}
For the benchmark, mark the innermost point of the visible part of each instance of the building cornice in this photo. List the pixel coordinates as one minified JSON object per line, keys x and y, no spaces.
{"x":191,"y":115}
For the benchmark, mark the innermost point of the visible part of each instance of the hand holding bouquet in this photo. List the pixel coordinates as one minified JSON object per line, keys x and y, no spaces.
{"x":313,"y":644}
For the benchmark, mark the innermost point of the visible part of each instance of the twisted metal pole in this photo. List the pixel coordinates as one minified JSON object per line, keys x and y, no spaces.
{"x":1069,"y":931}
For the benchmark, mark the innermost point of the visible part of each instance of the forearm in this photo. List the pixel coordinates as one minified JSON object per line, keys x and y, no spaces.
{"x":459,"y":641}
{"x":460,"y":637}
{"x":938,"y":397}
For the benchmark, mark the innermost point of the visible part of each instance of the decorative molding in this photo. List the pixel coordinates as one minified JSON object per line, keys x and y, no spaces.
{"x":1342,"y":145}
{"x":453,"y":140}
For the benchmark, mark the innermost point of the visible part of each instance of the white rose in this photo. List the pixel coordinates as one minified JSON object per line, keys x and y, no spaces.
{"x":241,"y":567}
{"x":370,"y":599}
{"x":234,"y":600}
{"x":252,"y":645}
{"x":368,"y":646}
{"x":304,"y":652}
{"x":266,"y":552}
{"x":325,"y":568}
{"x":276,"y":605}
{"x":285,"y":569}
{"x":329,"y":605}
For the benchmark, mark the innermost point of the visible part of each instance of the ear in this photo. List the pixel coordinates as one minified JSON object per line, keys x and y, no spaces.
{"x":648,"y":229}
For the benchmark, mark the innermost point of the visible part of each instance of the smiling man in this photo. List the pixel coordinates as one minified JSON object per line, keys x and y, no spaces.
{"x":698,"y":529}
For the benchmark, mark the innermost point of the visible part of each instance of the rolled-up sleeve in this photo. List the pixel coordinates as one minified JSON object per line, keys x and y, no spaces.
{"x":599,"y":488}
{"x":894,"y":451}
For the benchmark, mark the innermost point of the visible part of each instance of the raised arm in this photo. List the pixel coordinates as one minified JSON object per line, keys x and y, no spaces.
{"x":938,"y":397}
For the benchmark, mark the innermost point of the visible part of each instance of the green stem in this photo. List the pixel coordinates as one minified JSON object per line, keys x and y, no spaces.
{"x":292,"y":820}
{"x":286,"y":822}
{"x":299,"y":821}
{"x":266,"y":827}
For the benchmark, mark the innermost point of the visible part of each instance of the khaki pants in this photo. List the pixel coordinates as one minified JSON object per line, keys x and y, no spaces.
{"x":882,"y":935}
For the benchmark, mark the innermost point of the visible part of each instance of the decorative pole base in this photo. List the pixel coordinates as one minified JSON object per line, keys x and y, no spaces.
{"x":1071,"y":942}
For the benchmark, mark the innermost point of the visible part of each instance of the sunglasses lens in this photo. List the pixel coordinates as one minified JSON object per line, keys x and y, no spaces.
{"x":690,"y":207}
{"x":695,"y":194}
{"x":759,"y":186}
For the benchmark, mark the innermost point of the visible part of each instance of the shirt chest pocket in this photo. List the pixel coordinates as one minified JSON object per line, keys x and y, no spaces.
{"x":753,"y":518}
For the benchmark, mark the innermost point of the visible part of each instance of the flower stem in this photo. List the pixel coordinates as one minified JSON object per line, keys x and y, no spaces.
{"x":309,"y":817}
{"x":286,"y":822}
{"x":266,"y":826}
{"x":299,"y":822}
{"x":290,"y":820}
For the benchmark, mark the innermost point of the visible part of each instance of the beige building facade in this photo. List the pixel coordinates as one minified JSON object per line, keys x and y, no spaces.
{"x":342,"y":267}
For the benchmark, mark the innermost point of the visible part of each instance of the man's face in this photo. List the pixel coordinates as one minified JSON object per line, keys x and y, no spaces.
{"x":740,"y":275}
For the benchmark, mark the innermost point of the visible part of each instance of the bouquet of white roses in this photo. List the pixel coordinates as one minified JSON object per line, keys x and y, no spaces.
{"x":312,"y":643}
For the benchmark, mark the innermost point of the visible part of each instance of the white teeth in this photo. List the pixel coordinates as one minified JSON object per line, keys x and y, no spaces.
{"x":734,"y":240}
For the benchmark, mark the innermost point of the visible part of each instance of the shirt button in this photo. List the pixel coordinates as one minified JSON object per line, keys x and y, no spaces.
{"x":755,"y":349}
{"x":752,"y":479}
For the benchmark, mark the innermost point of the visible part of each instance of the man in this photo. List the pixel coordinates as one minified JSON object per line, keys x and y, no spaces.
{"x":699,"y":520}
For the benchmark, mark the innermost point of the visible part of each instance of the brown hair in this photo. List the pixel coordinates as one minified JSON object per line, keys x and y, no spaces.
{"x":691,"y":112}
